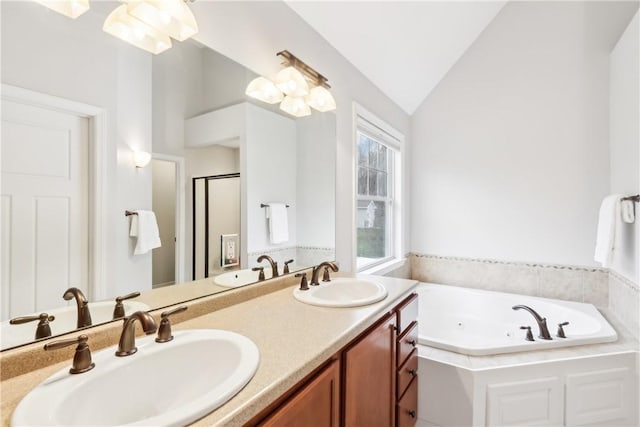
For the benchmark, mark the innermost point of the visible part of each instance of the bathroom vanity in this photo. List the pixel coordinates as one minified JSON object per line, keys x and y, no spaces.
{"x":310,"y":356}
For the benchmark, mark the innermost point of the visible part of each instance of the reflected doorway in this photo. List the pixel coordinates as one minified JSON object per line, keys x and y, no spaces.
{"x":216,"y":225}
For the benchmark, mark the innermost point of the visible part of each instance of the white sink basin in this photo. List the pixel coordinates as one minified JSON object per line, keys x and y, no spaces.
{"x":66,"y":319}
{"x":233,"y":279}
{"x":342,"y":292}
{"x":167,"y":384}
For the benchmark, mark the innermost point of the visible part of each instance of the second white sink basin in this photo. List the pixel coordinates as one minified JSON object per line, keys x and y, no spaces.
{"x":233,"y":279}
{"x":342,"y":292}
{"x":168,"y":384}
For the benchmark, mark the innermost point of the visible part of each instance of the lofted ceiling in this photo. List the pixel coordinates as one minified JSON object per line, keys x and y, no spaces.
{"x":404,"y":47}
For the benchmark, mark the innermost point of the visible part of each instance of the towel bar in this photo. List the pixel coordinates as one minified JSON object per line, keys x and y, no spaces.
{"x":635,"y":198}
{"x":129,"y":213}
{"x":262,"y":205}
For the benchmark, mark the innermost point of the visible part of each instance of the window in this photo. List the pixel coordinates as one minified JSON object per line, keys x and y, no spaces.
{"x":377,"y":215}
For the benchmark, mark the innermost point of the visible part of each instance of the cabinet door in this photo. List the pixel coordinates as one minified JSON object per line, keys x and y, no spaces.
{"x":316,"y":404}
{"x":369,"y":377}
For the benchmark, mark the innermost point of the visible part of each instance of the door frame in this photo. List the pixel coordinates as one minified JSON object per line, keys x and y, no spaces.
{"x":97,"y":169}
{"x":180,"y":212}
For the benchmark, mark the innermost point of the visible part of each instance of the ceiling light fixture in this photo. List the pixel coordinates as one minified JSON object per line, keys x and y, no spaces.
{"x":291,"y":88}
{"x":70,"y":8}
{"x":147,"y":24}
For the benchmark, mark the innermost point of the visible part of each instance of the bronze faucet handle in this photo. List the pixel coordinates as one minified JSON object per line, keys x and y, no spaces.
{"x":82,"y":357}
{"x":529,"y":336}
{"x":261,"y":274}
{"x":118,"y":310}
{"x":304,"y":285}
{"x":43,"y":329}
{"x":560,"y":333}
{"x":286,"y":267}
{"x":164,"y":330}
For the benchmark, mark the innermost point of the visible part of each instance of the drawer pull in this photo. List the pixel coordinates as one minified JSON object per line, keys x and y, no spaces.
{"x":413,"y":372}
{"x":412,"y":414}
{"x":412,"y":342}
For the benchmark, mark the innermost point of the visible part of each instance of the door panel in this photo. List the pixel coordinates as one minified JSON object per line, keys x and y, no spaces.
{"x":44,"y":205}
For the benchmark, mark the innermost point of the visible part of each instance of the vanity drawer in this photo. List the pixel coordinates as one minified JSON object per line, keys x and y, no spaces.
{"x":407,"y":408}
{"x":407,"y":372}
{"x":407,"y":313}
{"x":407,"y":343}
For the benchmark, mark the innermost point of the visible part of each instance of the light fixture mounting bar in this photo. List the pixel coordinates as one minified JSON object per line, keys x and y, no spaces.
{"x":293,"y":61}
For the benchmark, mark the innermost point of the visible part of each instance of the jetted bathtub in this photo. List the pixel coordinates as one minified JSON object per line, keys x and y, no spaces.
{"x":478,"y":322}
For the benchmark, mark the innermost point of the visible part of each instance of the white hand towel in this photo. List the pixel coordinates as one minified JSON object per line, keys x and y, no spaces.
{"x":609,"y":215}
{"x":278,"y":223}
{"x":627,"y":211}
{"x":145,"y":228}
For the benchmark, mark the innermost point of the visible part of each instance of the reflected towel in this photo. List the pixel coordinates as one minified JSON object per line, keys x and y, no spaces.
{"x":278,"y":223}
{"x":145,"y":228}
{"x":609,"y":215}
{"x":627,"y":208}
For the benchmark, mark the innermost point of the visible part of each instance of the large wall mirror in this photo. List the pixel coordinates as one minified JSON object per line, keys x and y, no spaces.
{"x":76,"y":104}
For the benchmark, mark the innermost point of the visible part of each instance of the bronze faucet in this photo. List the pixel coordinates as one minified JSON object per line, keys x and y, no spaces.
{"x":316,"y":272}
{"x":274,"y":265}
{"x":42,"y":330}
{"x":118,"y":310}
{"x":81,"y":358}
{"x":84,"y":317}
{"x":127,"y":344}
{"x":541,"y":321}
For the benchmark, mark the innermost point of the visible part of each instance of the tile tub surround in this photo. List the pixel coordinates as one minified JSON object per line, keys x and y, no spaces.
{"x":624,"y":301}
{"x":581,"y":284}
{"x":293,"y":338}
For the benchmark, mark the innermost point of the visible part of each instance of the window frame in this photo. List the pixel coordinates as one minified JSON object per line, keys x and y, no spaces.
{"x":373,"y":128}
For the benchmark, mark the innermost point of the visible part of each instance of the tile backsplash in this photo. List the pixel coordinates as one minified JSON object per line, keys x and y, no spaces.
{"x":624,"y":301}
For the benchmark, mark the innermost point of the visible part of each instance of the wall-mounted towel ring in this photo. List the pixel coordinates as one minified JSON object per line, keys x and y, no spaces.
{"x":129,"y":213}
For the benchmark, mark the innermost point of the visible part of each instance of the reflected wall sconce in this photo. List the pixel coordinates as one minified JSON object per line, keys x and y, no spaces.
{"x":69,"y":8}
{"x":147,"y":24}
{"x":297,"y":88}
{"x":141,"y":158}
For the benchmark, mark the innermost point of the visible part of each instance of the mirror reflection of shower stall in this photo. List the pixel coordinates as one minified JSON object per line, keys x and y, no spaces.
{"x":216,"y":225}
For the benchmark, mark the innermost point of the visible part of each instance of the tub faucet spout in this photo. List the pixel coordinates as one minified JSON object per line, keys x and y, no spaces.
{"x":541,"y":321}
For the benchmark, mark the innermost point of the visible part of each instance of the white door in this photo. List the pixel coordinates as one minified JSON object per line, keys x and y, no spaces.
{"x":44,"y":207}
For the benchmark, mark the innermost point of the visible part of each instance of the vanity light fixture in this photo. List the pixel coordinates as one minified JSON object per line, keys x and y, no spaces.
{"x":170,"y":17}
{"x":141,"y":158}
{"x":70,"y":8}
{"x":291,"y":88}
{"x":124,"y":26}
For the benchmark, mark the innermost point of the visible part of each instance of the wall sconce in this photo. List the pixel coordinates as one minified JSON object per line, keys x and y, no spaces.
{"x":141,"y":158}
{"x":69,"y":8}
{"x":291,"y":88}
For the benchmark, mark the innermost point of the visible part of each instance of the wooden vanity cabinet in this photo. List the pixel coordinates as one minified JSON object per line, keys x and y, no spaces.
{"x":371,"y":382}
{"x":317,"y":403}
{"x":369,"y":369}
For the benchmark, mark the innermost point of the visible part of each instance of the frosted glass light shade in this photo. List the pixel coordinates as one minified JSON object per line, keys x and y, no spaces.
{"x":292,"y":82}
{"x":70,"y":8}
{"x":264,"y":90}
{"x":320,"y":99}
{"x":124,"y":26}
{"x":170,"y":17}
{"x":141,"y":158}
{"x":295,"y":106}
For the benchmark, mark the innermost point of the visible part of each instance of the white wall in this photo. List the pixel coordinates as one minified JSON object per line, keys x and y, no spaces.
{"x":510,"y":151}
{"x":316,"y":180}
{"x":624,"y":138}
{"x":74,"y":59}
{"x":251,"y":33}
{"x":269,"y":150}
